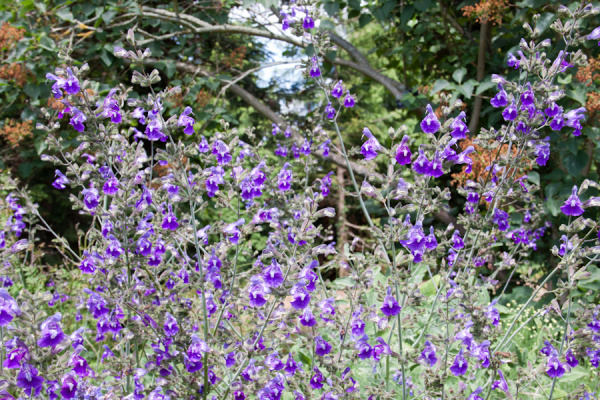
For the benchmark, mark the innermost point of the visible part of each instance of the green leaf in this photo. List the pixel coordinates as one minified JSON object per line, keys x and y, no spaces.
{"x":364,"y":19}
{"x":467,"y":88}
{"x":577,"y":95}
{"x":485,"y":85}
{"x":344,"y":283}
{"x":106,"y":58}
{"x":107,"y":16}
{"x":64,"y":14}
{"x":327,"y":24}
{"x":545,"y":20}
{"x":575,"y":162}
{"x":533,"y":177}
{"x":440,"y":85}
{"x":383,"y":12}
{"x":422,"y":5}
{"x":331,"y":8}
{"x":32,"y":90}
{"x":553,"y":206}
{"x":355,"y":4}
{"x":459,"y":74}
{"x":428,"y":288}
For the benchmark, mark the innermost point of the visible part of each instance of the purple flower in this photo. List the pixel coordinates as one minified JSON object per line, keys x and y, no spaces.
{"x":555,"y":368}
{"x":203,"y":145}
{"x":415,"y":242}
{"x":257,"y":292}
{"x":381,"y":348}
{"x":513,"y":61}
{"x":61,"y":181}
{"x":110,"y":108}
{"x":510,"y":112}
{"x":171,"y":328}
{"x":17,"y":351}
{"x":390,"y":306}
{"x":314,"y":69}
{"x":90,"y":198}
{"x":285,"y":25}
{"x":595,"y":35}
{"x":221,"y":152}
{"x":338,"y":90}
{"x":316,"y":381}
{"x":572,"y":206}
{"x":460,"y":365}
{"x":307,"y":318}
{"x":111,"y":186}
{"x":308,"y":23}
{"x":553,"y":110}
{"x":542,"y":151}
{"x":187,"y":121}
{"x":501,"y":219}
{"x":428,"y":356}
{"x":170,"y":220}
{"x":370,"y":148}
{"x":527,"y":97}
{"x":422,"y":165}
{"x":301,"y":296}
{"x":71,"y":84}
{"x":284,"y":178}
{"x":475,"y":394}
{"x":459,"y":127}
{"x":290,"y":366}
{"x":492,"y":313}
{"x":8,"y":308}
{"x":273,"y":275}
{"x":330,"y":111}
{"x":349,"y":100}
{"x":431,"y":241}
{"x":59,"y":83}
{"x":52,"y":334}
{"x":573,"y":119}
{"x":430,"y":123}
{"x":457,"y":241}
{"x":403,"y":153}
{"x":232,"y":230}
{"x":322,"y":348}
{"x":570,"y":358}
{"x":69,"y":386}
{"x":482,"y":352}
{"x":501,"y":383}
{"x":501,"y":98}
{"x":29,"y":380}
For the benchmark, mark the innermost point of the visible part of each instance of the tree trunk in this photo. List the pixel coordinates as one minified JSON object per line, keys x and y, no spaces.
{"x":483,"y":33}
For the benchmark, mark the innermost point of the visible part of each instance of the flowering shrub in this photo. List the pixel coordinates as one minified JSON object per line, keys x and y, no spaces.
{"x":206,"y":280}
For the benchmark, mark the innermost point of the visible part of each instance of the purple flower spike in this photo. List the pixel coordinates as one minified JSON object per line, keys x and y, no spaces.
{"x":595,"y":35}
{"x":349,"y":100}
{"x":233,"y":232}
{"x":573,"y":206}
{"x":475,"y":395}
{"x":69,"y":386}
{"x":171,"y":328}
{"x":430,"y":123}
{"x":29,"y":380}
{"x":570,"y":358}
{"x":403,"y":153}
{"x":390,"y":306}
{"x":314,"y":69}
{"x":52,"y":334}
{"x":459,"y":127}
{"x":257,"y":292}
{"x":422,"y":165}
{"x":527,"y":97}
{"x":187,"y":121}
{"x":316,"y":381}
{"x":221,"y":152}
{"x":322,"y":348}
{"x":170,"y":220}
{"x":501,"y":98}
{"x":90,"y":198}
{"x":460,"y":365}
{"x":61,"y":181}
{"x":555,"y":368}
{"x":510,"y":112}
{"x":284,"y":178}
{"x":338,"y":90}
{"x":501,"y":383}
{"x":307,"y":318}
{"x":428,"y":356}
{"x":71,"y":84}
{"x":501,"y":219}
{"x":273,"y":275}
{"x":308,"y":23}
{"x":370,"y":148}
{"x":329,"y":111}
